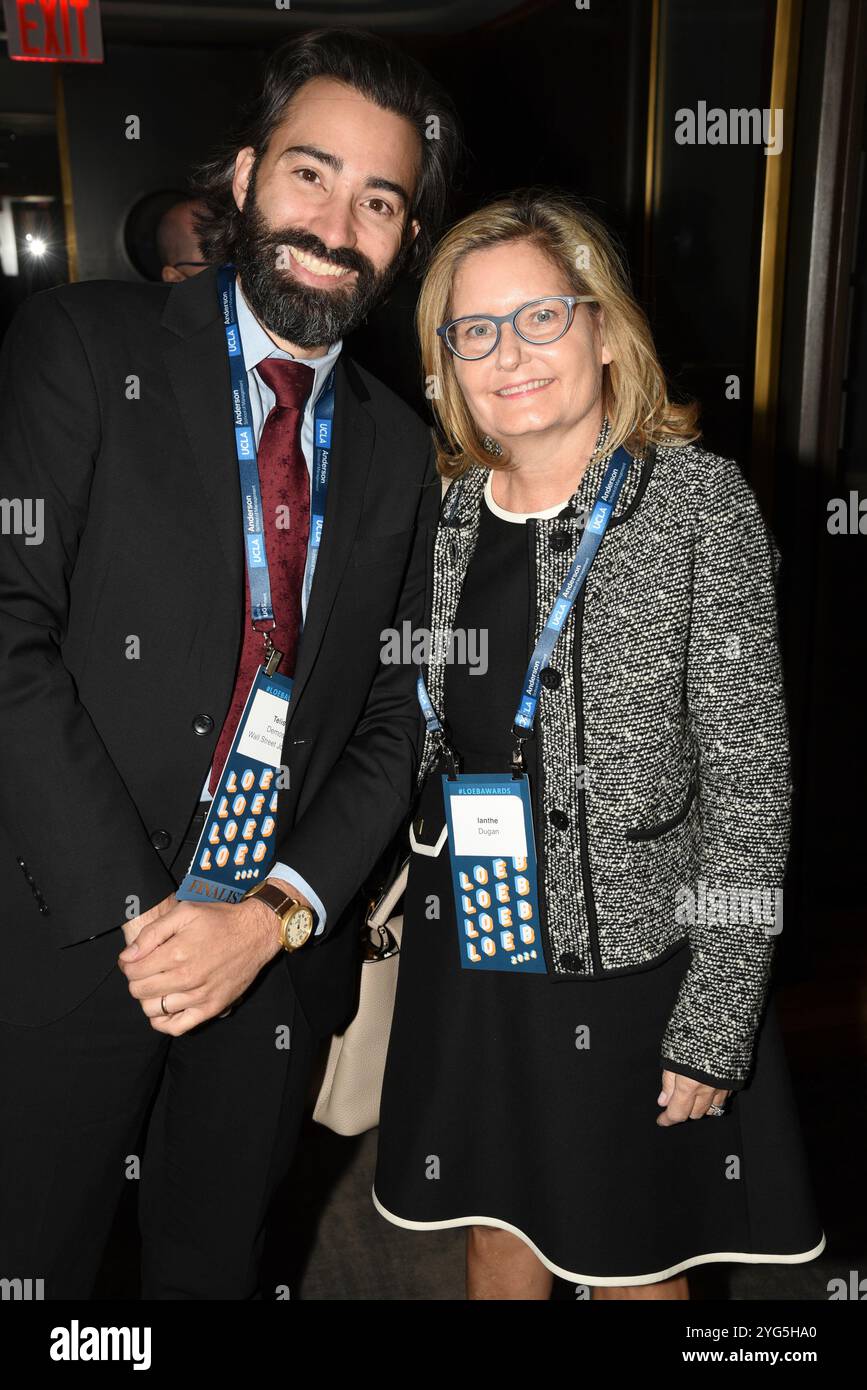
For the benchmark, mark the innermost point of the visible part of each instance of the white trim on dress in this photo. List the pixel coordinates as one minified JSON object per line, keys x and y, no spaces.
{"x":518,"y":516}
{"x":620,"y":1280}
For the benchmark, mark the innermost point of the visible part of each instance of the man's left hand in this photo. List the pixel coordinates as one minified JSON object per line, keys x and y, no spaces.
{"x":199,"y":959}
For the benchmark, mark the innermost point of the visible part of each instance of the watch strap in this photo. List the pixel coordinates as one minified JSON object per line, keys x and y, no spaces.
{"x":274,"y":897}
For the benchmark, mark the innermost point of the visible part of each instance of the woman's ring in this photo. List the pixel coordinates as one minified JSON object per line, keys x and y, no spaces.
{"x":715,"y":1110}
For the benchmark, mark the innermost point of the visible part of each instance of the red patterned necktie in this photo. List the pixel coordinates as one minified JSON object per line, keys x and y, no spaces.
{"x":285,"y":484}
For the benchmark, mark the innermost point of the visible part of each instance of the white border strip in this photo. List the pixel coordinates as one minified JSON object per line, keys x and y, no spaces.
{"x":622,"y":1280}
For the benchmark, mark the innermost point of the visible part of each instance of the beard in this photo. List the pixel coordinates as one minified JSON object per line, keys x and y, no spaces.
{"x":302,"y":314}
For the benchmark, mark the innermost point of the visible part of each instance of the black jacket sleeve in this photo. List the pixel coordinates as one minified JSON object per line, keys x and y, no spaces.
{"x":63,"y":804}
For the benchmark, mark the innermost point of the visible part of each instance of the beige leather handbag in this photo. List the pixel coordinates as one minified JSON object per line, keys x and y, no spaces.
{"x":348,"y":1100}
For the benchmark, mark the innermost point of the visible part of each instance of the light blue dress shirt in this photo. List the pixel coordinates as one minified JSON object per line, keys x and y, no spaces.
{"x":256,"y":346}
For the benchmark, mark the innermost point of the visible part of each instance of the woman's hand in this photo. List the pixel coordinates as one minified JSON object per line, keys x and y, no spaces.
{"x":685,"y":1099}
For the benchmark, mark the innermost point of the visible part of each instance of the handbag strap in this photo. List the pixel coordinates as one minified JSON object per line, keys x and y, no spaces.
{"x":384,"y":908}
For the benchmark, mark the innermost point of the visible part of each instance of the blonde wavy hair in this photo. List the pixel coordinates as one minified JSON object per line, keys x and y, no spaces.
{"x":634,"y":389}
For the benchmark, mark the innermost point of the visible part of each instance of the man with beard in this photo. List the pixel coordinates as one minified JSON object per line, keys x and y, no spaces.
{"x":135,"y":643}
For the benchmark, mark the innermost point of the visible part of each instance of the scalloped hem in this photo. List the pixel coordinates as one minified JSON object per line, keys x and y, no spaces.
{"x":611,"y":1281}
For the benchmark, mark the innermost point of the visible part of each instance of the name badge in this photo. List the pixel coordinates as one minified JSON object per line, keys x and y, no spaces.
{"x":237,"y":845}
{"x":493,"y":866}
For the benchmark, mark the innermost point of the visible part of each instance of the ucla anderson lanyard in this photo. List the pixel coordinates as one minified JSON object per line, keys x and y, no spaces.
{"x":237,"y":844}
{"x":248,"y":468}
{"x":606,"y":500}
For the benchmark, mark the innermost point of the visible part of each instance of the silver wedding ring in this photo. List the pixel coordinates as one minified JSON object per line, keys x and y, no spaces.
{"x":715,"y":1110}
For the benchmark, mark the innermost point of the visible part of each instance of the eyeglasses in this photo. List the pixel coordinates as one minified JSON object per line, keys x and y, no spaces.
{"x":538,"y":321}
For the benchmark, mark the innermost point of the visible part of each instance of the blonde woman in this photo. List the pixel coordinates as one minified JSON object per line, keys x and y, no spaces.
{"x":601,"y":1094}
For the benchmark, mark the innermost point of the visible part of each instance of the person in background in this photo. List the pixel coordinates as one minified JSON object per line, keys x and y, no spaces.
{"x":178,"y":242}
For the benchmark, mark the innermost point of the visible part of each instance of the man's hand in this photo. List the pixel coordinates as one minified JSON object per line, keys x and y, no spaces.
{"x":200,"y":959}
{"x":685,"y":1099}
{"x":132,"y":928}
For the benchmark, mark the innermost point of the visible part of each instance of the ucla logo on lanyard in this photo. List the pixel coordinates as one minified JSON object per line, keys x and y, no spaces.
{"x":490,"y":821}
{"x":237,"y":844}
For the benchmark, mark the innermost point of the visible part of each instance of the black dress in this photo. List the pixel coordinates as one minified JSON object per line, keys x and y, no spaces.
{"x":496,"y":1112}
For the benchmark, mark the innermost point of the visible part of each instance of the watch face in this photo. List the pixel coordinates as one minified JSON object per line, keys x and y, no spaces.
{"x":299,"y":927}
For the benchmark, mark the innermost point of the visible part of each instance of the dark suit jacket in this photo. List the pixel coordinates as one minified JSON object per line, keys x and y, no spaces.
{"x":115,"y":409}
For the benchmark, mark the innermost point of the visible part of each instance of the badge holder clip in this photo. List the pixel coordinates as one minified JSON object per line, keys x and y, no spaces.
{"x":519,"y":764}
{"x":272,"y":656}
{"x":448,"y":752}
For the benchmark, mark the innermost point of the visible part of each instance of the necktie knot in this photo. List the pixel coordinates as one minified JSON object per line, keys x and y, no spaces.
{"x":290,"y":381}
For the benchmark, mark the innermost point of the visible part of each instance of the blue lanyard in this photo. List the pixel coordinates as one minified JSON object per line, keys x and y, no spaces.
{"x":606,"y":500}
{"x":248,"y":467}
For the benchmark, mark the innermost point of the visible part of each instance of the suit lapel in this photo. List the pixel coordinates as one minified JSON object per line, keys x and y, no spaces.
{"x":198,"y":369}
{"x":352,"y":449}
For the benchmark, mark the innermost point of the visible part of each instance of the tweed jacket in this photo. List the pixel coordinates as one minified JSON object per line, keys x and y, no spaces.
{"x":663,"y":805}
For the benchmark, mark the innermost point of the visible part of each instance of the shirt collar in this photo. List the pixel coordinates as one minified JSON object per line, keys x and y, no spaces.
{"x":256,"y":345}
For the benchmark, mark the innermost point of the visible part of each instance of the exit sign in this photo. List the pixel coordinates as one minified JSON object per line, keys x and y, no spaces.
{"x":53,"y":31}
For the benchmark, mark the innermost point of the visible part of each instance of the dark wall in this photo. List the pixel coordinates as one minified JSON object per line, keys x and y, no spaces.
{"x":559,"y":96}
{"x":706,"y":237}
{"x":555,"y":96}
{"x":184,"y":98}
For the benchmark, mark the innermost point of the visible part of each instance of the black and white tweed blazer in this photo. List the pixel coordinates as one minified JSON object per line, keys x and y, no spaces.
{"x":665,"y":792}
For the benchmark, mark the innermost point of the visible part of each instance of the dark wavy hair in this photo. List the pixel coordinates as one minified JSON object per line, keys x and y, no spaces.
{"x":380,"y":72}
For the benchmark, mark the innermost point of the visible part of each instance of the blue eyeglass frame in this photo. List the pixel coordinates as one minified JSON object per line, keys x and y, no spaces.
{"x":570,"y":300}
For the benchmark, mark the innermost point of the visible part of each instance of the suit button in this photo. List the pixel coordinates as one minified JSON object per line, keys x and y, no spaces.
{"x":29,"y":878}
{"x":203,"y":724}
{"x":560,"y":540}
{"x":570,"y":960}
{"x":160,"y":839}
{"x":550,"y":678}
{"x":559,"y":820}
{"x":20,"y":863}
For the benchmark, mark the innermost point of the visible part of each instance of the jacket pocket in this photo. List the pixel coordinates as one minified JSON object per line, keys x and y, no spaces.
{"x":663,"y":827}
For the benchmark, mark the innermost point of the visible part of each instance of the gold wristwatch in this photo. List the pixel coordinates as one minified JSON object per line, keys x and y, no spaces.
{"x":296,"y":918}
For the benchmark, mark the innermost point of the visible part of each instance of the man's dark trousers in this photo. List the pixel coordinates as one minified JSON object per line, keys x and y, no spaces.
{"x":229,"y":1098}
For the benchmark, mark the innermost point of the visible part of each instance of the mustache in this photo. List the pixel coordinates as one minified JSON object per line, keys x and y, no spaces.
{"x":344,"y":256}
